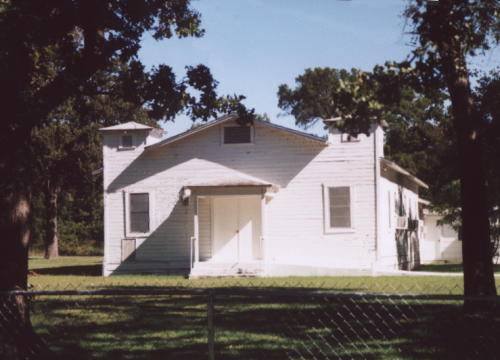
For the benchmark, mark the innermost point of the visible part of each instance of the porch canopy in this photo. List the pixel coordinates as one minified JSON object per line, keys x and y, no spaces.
{"x":239,"y":187}
{"x":228,"y":178}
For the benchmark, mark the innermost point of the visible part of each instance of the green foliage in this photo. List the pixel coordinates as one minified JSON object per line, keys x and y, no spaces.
{"x":58,"y":55}
{"x":417,"y":125}
{"x":81,"y":225}
{"x":263,"y":117}
{"x":80,"y":219}
{"x":49,"y":54}
{"x":472,"y":26}
{"x":325,"y":93}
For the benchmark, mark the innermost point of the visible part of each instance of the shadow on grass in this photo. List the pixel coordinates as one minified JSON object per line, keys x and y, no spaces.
{"x":263,"y":323}
{"x":81,"y":270}
{"x":455,"y":268}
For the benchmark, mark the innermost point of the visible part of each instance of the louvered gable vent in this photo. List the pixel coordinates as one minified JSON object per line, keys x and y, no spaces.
{"x":237,"y":135}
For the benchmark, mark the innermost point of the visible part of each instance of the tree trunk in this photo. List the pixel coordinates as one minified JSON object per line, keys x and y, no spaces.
{"x":17,"y":338}
{"x":479,"y":279}
{"x":14,"y":226}
{"x":51,"y":233}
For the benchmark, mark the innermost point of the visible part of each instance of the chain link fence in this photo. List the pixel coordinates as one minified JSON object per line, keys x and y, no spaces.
{"x":253,"y":319}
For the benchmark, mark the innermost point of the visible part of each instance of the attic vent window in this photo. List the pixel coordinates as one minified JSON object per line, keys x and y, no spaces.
{"x":237,"y":135}
{"x":127,"y":142}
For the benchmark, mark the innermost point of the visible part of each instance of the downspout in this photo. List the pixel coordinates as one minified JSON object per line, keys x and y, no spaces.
{"x":105,"y":210}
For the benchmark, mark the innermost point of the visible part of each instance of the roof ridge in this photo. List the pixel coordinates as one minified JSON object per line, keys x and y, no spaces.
{"x":225,"y":118}
{"x":129,"y":125}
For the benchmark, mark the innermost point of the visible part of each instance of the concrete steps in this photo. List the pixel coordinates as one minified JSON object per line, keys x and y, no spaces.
{"x":207,"y":269}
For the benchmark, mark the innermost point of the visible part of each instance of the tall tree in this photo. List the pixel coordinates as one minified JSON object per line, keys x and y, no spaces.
{"x":53,"y":51}
{"x":447,"y":34}
{"x":324,"y":93}
{"x":487,"y":100}
{"x":62,"y":157}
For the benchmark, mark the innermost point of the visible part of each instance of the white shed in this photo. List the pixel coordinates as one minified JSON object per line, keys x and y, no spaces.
{"x":441,"y":242}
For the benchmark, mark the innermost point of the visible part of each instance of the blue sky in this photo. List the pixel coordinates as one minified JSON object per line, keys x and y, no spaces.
{"x":253,"y":46}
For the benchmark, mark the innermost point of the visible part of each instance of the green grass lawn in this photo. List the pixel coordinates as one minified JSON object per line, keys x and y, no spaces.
{"x":83,"y":273}
{"x":257,"y":324}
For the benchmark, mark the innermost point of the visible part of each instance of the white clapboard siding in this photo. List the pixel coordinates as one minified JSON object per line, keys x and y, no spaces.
{"x":295,"y":231}
{"x":441,"y":243}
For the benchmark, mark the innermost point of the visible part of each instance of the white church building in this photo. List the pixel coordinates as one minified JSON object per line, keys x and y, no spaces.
{"x":255,"y":200}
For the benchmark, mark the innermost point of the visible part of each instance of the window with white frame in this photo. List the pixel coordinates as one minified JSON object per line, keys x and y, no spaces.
{"x":139,"y":213}
{"x":338,"y":208}
{"x":237,"y":135}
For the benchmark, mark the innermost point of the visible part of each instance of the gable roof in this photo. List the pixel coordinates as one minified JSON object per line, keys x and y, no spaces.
{"x":131,"y":125}
{"x":227,"y":118}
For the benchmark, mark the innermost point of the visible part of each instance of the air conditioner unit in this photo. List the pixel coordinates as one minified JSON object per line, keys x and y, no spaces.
{"x":402,"y":222}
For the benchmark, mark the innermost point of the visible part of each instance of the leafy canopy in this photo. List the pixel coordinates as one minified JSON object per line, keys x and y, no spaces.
{"x":57,"y":54}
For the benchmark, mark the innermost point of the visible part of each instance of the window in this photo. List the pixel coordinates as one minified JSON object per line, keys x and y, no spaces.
{"x":237,"y":135}
{"x":127,"y":141}
{"x":338,"y":208}
{"x":139,"y":213}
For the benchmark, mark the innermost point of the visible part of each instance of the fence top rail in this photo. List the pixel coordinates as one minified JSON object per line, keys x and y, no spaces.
{"x":252,"y":292}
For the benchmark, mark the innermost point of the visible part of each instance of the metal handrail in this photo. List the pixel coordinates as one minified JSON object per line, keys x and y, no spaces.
{"x":192,"y":252}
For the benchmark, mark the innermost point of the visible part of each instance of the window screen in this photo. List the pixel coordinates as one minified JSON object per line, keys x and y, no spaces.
{"x":127,"y":141}
{"x":340,"y":207}
{"x":139,"y":213}
{"x":237,"y":135}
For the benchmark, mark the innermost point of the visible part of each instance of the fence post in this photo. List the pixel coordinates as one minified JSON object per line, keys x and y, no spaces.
{"x":211,"y":330}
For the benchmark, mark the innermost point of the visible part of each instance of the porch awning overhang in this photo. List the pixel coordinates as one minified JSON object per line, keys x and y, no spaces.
{"x":229,"y":180}
{"x":400,"y":170}
{"x":233,"y":180}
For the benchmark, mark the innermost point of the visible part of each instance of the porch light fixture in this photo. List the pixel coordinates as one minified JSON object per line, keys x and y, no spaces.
{"x":185,"y":195}
{"x":270,"y":192}
{"x":269,"y":195}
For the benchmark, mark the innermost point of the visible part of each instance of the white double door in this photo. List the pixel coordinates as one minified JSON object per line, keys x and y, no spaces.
{"x":236,"y":228}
